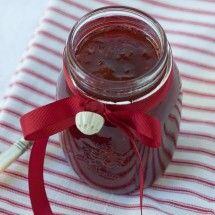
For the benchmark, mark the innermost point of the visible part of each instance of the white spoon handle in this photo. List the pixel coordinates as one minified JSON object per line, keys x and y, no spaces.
{"x":16,"y":150}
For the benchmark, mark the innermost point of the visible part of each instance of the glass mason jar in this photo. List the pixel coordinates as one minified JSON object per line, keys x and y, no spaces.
{"x":107,"y":160}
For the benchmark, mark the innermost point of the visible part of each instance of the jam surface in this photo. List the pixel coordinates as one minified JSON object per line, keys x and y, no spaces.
{"x":117,"y":53}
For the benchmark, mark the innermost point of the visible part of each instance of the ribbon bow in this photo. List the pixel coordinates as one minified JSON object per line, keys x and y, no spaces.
{"x":50,"y":119}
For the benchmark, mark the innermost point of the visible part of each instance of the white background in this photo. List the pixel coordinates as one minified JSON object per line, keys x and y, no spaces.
{"x":18,"y":21}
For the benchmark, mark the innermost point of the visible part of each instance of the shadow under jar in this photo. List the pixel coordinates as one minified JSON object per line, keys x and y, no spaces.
{"x":119,"y":56}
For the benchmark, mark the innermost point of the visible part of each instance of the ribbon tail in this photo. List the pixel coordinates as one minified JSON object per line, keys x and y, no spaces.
{"x":39,"y":200}
{"x":141,"y":187}
{"x":141,"y":176}
{"x":118,"y":121}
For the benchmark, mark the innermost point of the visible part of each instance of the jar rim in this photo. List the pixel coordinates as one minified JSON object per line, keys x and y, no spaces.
{"x":140,"y":80}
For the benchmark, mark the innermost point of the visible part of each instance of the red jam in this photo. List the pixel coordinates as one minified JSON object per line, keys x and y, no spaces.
{"x":107,"y":160}
{"x":117,"y":53}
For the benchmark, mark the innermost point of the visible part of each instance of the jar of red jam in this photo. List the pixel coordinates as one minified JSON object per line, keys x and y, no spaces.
{"x":119,"y":60}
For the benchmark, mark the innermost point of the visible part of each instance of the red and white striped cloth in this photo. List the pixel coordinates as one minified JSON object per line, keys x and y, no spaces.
{"x":188,"y":185}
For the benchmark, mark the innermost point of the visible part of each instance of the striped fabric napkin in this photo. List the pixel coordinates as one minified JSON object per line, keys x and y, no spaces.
{"x":188,"y":185}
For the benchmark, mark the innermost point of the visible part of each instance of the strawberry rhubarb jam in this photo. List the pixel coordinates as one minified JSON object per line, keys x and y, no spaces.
{"x":117,"y":53}
{"x":119,"y":59}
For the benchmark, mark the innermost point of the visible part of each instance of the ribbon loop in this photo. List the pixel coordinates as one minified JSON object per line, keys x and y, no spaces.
{"x":148,"y":128}
{"x":50,"y":119}
{"x":39,"y":200}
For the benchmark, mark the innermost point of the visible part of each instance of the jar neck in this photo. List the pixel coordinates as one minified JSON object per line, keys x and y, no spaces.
{"x":109,"y":91}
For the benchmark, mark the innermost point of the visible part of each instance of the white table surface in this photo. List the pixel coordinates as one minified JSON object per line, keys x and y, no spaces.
{"x":18,"y":21}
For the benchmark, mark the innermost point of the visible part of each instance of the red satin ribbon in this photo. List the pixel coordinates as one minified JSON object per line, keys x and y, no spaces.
{"x":55,"y":117}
